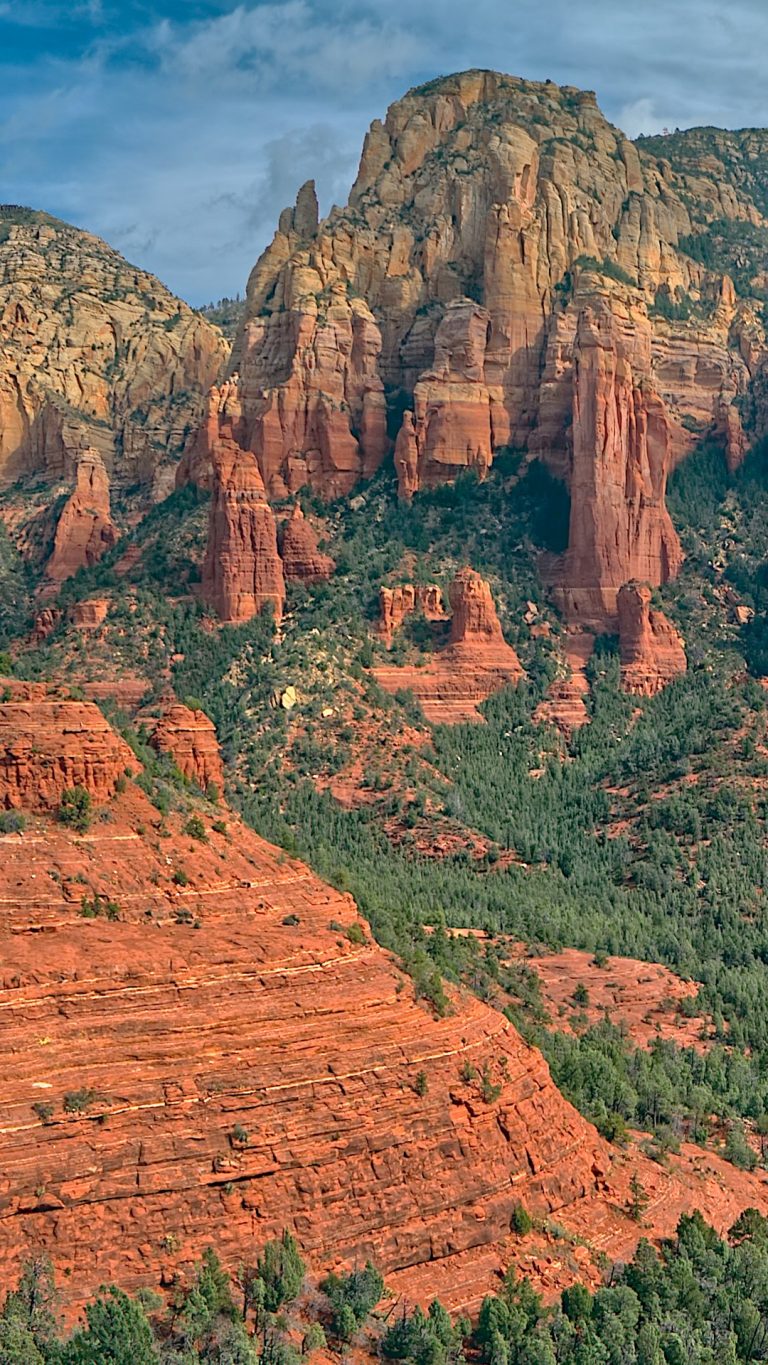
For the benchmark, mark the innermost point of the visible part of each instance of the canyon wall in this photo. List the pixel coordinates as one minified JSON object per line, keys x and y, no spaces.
{"x":94,"y":353}
{"x":508,"y":272}
{"x":230,"y":1054}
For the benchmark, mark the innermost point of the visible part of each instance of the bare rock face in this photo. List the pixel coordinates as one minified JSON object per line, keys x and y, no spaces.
{"x":474,"y":620}
{"x":242,"y":570}
{"x":261,"y":1070}
{"x":190,"y":738}
{"x":89,"y":614}
{"x":476,"y":662}
{"x":303,"y":560}
{"x":93,"y":354}
{"x":652,"y":651}
{"x":619,"y":527}
{"x":491,"y":218}
{"x":49,"y":745}
{"x":398,"y":603}
{"x":85,"y":530}
{"x":452,"y":405}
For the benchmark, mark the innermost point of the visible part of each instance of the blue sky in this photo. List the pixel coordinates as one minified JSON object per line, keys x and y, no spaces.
{"x":178,"y":131}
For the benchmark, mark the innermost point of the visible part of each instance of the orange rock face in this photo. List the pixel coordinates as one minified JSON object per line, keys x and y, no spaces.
{"x":451,"y":426}
{"x":396,"y":604}
{"x":242,"y":571}
{"x":238,"y":1003}
{"x":190,"y":738}
{"x":48,"y":745}
{"x":652,"y":651}
{"x":619,"y":528}
{"x":303,"y":561}
{"x":476,"y":662}
{"x":85,"y":530}
{"x":94,"y":353}
{"x":89,"y":613}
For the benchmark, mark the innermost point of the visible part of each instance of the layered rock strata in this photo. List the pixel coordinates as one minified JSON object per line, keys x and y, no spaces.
{"x":652,"y":650}
{"x":233,"y":1060}
{"x":494,"y":228}
{"x":93,"y":354}
{"x":303,"y":560}
{"x":242,"y":570}
{"x":620,"y":528}
{"x":450,"y":431}
{"x":49,"y":745}
{"x":190,"y":738}
{"x":476,"y":661}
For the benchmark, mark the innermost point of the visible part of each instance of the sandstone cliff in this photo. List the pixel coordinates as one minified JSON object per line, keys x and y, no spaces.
{"x":190,"y":738}
{"x":620,"y":528}
{"x":406,"y":599}
{"x":476,"y":661}
{"x":303,"y":560}
{"x":95,"y":353}
{"x":85,"y":531}
{"x":242,"y":570}
{"x":236,"y":1056}
{"x":652,"y":651}
{"x":49,"y":745}
{"x":519,"y":273}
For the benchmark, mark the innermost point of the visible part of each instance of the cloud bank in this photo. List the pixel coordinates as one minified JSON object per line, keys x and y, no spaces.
{"x":178,"y":131}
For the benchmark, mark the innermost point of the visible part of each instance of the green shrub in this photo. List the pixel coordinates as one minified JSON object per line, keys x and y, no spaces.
{"x":281,"y":1270}
{"x":196,"y":829}
{"x":76,"y":808}
{"x":12,"y":821}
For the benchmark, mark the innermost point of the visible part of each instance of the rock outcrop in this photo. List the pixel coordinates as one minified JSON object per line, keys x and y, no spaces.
{"x":406,"y":599}
{"x":89,"y":614}
{"x":242,"y":570}
{"x":495,"y":227}
{"x":234,"y":1056}
{"x":450,"y":432}
{"x":620,"y":528}
{"x":303,"y":560}
{"x":49,"y":745}
{"x":85,"y":530}
{"x":190,"y":738}
{"x":565,"y":705}
{"x":652,"y":651}
{"x":94,"y":353}
{"x":476,"y":661}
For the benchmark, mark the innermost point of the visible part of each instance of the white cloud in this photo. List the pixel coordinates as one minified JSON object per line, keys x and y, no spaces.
{"x":181,"y":141}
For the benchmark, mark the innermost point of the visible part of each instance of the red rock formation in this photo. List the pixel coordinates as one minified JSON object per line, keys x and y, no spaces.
{"x":48,"y":745}
{"x":451,"y":425}
{"x":46,"y":622}
{"x":476,"y":662}
{"x":85,"y":530}
{"x":395,"y":604}
{"x":652,"y":651}
{"x":619,"y":528}
{"x":565,"y":703}
{"x":190,"y":738}
{"x":474,"y":620}
{"x":89,"y":613}
{"x":303,"y":561}
{"x":242,"y":571}
{"x":264,"y":1015}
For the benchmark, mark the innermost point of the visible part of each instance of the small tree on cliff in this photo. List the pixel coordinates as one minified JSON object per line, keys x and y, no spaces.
{"x":281,"y":1270}
{"x":118,"y":1333}
{"x":75,"y":809}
